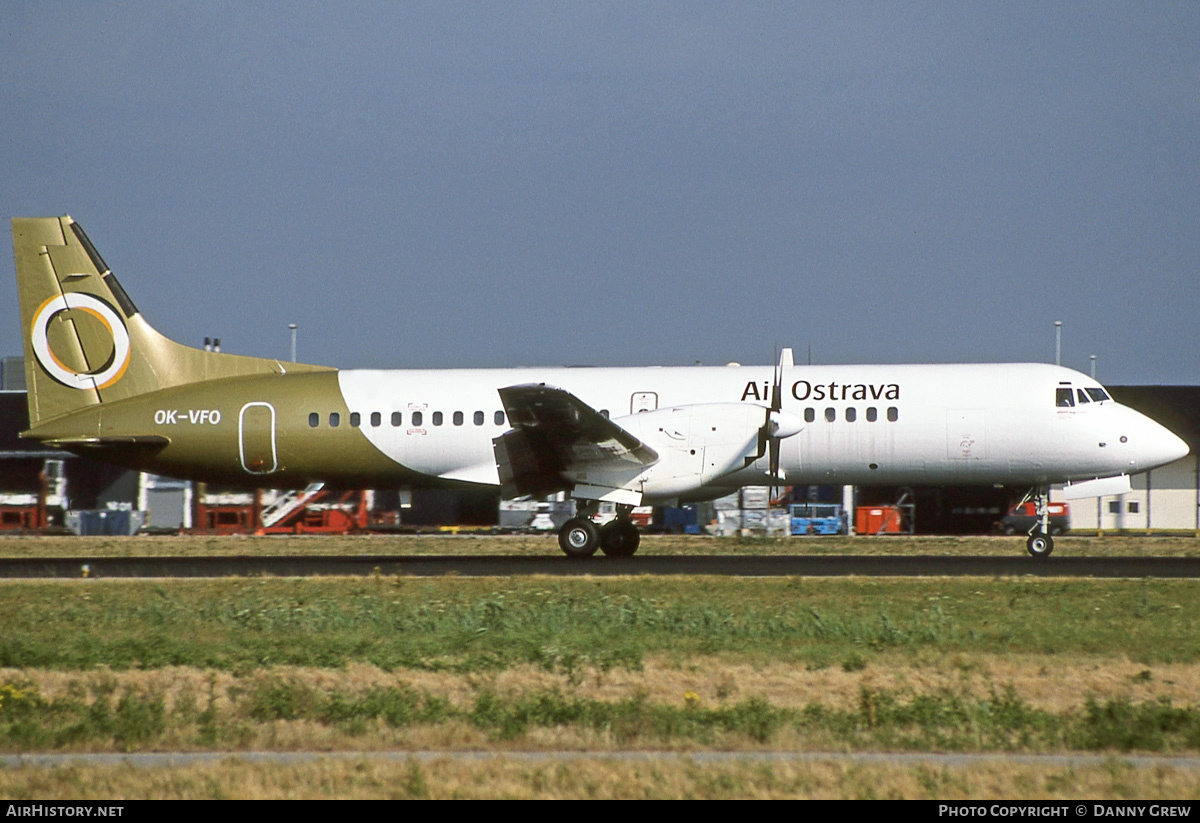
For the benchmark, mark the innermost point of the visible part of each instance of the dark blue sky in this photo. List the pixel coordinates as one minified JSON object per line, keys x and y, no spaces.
{"x":431,"y":185}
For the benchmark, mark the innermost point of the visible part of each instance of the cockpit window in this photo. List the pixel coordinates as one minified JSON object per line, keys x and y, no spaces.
{"x":1064,"y":398}
{"x":1098,"y":394}
{"x":1082,"y":395}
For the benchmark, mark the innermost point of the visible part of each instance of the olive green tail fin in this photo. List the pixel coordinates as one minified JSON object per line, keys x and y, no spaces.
{"x":85,"y":340}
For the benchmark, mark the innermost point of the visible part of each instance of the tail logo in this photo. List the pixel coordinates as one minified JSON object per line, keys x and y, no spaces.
{"x":111,"y":371}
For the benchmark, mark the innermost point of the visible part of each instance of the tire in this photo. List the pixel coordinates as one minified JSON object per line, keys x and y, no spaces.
{"x":579,"y":537}
{"x":1040,"y":545}
{"x":619,"y":538}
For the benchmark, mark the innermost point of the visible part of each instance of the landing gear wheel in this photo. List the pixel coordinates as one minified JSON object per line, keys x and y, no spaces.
{"x":619,"y":538}
{"x":1040,"y":545}
{"x":579,"y":537}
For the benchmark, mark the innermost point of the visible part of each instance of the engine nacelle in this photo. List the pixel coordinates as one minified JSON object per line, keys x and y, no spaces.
{"x":698,"y":444}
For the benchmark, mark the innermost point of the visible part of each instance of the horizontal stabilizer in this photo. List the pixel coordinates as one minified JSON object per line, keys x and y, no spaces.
{"x":115,"y":448}
{"x":1099,"y":487}
{"x":147,"y":440}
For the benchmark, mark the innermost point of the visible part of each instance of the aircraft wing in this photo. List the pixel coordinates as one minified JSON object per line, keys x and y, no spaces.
{"x":554,"y":433}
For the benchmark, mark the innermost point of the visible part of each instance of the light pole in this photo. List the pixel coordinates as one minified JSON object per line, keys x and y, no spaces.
{"x":1092,"y":357}
{"x":292,"y":326}
{"x":1058,"y":342}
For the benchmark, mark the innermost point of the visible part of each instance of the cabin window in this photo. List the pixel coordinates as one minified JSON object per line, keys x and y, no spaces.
{"x":314,"y":420}
{"x":1098,"y":394}
{"x":872,"y":414}
{"x":499,"y":418}
{"x":1082,"y":395}
{"x":1064,"y":398}
{"x":830,"y":414}
{"x":437,"y":418}
{"x":417,"y":418}
{"x":893,"y":414}
{"x":458,"y":418}
{"x":604,"y":413}
{"x":810,"y":414}
{"x":478,"y":418}
{"x":335,"y":419}
{"x":851,"y":415}
{"x":396,"y":418}
{"x":355,"y":419}
{"x":376,"y":418}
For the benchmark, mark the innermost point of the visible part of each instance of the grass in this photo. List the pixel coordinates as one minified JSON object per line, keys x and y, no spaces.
{"x":288,"y":709}
{"x":599,"y":777}
{"x":685,"y":664}
{"x":746,"y":663}
{"x":484,"y":624}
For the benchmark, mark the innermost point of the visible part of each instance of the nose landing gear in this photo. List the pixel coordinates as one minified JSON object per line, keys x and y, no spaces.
{"x":1040,"y":544}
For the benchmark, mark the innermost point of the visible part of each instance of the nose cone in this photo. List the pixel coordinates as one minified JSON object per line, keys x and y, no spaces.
{"x":1157,"y":445}
{"x":1173,"y":447}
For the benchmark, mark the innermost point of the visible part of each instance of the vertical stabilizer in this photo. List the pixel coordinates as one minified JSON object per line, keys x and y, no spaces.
{"x":85,"y":341}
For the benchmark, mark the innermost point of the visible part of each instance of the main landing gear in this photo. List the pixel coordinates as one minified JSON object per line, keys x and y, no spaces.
{"x":581,"y":537}
{"x":1040,"y":544}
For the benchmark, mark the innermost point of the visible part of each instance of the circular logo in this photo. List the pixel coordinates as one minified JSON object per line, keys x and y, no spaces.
{"x":111,"y":372}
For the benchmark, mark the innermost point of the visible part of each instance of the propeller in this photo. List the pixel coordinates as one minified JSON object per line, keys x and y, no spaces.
{"x":777,"y":424}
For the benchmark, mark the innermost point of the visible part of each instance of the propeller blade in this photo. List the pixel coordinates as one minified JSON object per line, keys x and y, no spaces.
{"x":774,"y":464}
{"x":773,"y":419}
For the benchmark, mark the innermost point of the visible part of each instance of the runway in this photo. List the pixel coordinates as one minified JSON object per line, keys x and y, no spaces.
{"x":500,"y":566}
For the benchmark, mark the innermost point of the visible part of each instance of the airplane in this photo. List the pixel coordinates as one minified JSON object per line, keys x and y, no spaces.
{"x":103,"y":383}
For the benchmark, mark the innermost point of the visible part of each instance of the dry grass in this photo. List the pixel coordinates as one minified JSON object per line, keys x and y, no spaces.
{"x":546,"y":544}
{"x":597,"y":777}
{"x":710,"y":682}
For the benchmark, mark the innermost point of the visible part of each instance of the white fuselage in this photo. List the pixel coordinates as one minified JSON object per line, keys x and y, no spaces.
{"x":874,"y":424}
